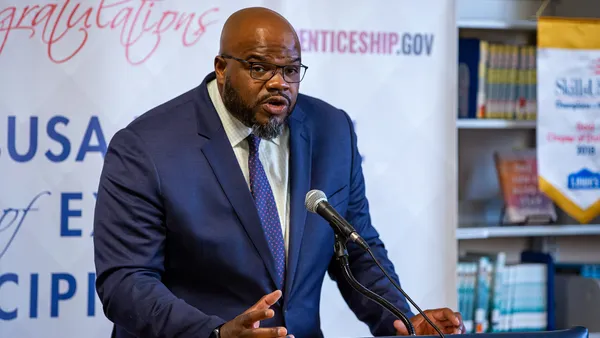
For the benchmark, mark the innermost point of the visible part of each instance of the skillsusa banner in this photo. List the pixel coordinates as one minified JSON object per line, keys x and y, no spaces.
{"x":569,"y":113}
{"x":73,"y":72}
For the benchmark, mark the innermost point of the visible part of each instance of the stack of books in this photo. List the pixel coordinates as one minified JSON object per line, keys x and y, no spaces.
{"x":498,"y":297}
{"x":496,"y":81}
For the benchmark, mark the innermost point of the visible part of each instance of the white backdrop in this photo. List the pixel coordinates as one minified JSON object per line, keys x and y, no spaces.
{"x":74,"y":72}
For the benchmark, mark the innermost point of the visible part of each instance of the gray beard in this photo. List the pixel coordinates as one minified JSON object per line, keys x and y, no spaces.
{"x":268,"y":131}
{"x":245,"y":114}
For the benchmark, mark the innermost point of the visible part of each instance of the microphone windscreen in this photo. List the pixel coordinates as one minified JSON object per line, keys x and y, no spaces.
{"x":313,"y":198}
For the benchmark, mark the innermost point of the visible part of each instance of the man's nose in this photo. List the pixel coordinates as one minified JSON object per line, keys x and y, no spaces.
{"x":277,"y":82}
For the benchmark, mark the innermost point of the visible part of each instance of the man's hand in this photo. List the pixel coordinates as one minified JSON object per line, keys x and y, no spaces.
{"x":247,"y":324}
{"x":446,"y":320}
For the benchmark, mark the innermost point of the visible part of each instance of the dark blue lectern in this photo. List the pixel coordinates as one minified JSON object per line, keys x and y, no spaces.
{"x":575,"y":332}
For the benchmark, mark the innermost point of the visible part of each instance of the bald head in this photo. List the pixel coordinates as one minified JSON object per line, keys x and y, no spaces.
{"x":258,"y":69}
{"x":257,"y":27}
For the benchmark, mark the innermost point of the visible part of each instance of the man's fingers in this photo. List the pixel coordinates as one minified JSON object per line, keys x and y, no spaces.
{"x":271,"y":332}
{"x":450,"y":330}
{"x":462,"y":328}
{"x":266,"y":301}
{"x":444,"y":323}
{"x":460,"y":320}
{"x":271,"y":298}
{"x":441,"y":315}
{"x":250,"y":318}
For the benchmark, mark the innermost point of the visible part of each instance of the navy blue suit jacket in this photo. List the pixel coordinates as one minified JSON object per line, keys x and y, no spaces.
{"x":179,"y":247}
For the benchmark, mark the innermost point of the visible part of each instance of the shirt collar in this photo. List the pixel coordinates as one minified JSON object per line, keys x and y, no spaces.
{"x":236,"y":131}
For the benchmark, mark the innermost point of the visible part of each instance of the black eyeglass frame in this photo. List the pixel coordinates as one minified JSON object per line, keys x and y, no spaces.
{"x":277,"y":67}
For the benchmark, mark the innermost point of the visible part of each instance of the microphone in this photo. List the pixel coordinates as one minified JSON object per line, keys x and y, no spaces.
{"x":316,"y":202}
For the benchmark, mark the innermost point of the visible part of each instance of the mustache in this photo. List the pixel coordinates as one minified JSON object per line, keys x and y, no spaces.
{"x":268,"y":96}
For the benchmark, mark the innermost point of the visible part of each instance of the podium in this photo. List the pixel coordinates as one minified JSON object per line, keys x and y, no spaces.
{"x":574,"y":332}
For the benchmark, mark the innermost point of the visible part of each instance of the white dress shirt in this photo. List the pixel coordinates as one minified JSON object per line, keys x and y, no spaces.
{"x":273,"y":154}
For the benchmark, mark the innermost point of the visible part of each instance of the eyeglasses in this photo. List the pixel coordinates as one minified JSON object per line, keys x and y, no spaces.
{"x":264,"y":71}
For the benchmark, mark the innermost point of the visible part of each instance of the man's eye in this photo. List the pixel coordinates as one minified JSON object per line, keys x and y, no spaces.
{"x":258,"y":68}
{"x":292,"y":70}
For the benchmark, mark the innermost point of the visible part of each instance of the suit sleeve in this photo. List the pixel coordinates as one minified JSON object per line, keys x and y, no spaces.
{"x":379,"y":320}
{"x":129,"y":242}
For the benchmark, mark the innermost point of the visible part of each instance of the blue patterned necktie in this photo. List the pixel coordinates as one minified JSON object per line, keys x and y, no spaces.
{"x":267,"y":209}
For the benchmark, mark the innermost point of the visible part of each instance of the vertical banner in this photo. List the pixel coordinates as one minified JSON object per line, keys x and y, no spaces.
{"x":74,"y":72}
{"x":392,"y":66}
{"x":568,"y":134}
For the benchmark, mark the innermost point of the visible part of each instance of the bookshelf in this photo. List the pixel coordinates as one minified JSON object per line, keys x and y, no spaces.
{"x":511,"y":22}
{"x":529,"y":25}
{"x":494,"y":124}
{"x":468,"y":233}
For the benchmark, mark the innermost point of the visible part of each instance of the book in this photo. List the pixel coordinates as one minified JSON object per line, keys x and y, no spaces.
{"x":524,"y":203}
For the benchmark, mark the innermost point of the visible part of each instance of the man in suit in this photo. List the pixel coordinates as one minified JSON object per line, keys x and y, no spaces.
{"x":200,"y":225}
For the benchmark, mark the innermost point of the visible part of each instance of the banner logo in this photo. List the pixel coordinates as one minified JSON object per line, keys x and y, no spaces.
{"x":584,"y":179}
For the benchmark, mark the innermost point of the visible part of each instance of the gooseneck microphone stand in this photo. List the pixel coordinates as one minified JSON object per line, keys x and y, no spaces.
{"x":341,"y":255}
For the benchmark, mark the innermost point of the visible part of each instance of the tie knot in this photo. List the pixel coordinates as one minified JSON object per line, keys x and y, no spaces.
{"x":253,"y":142}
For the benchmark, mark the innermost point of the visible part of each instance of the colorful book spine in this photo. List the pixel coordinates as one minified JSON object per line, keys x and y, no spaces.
{"x":495,"y":296}
{"x":484,"y":61}
{"x":505,"y":86}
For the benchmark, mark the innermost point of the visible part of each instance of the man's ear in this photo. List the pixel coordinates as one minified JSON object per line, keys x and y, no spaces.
{"x":220,"y":68}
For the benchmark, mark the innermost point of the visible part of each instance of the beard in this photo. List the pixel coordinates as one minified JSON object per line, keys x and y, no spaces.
{"x":247,"y":114}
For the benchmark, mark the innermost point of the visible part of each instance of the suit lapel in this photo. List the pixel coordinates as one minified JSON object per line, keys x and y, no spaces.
{"x":300,"y":165}
{"x":220,"y":156}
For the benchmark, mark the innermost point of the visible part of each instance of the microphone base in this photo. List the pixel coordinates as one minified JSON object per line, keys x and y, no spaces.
{"x":341,"y":254}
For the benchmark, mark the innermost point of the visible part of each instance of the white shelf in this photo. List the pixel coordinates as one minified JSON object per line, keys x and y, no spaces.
{"x":497,"y":24}
{"x":494,"y":124}
{"x":527,"y":231}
